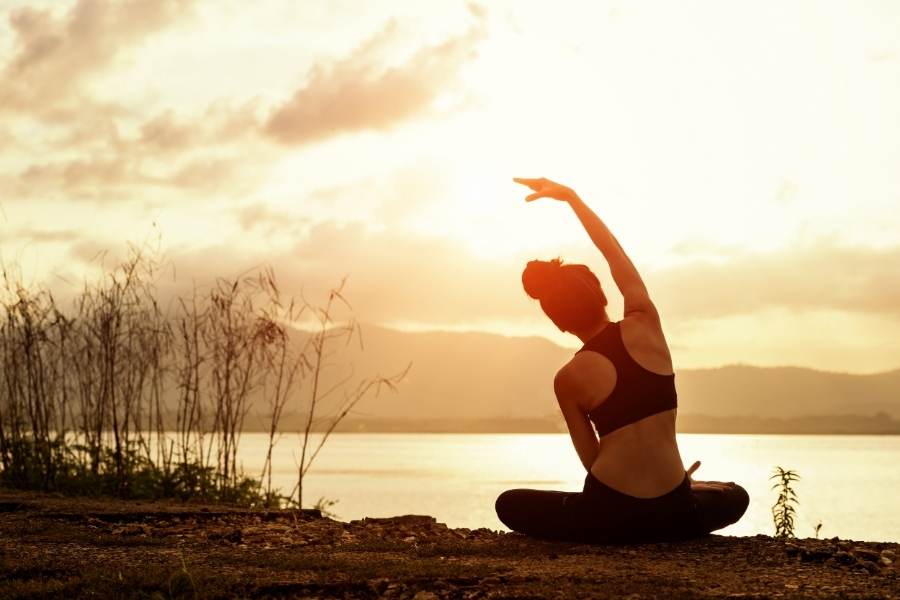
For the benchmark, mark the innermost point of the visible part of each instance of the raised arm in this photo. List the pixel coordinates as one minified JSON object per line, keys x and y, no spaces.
{"x":624,"y":273}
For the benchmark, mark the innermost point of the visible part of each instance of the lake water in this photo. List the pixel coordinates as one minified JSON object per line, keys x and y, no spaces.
{"x":851,"y":484}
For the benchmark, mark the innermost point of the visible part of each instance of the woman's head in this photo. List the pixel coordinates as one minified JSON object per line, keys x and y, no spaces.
{"x":569,"y":294}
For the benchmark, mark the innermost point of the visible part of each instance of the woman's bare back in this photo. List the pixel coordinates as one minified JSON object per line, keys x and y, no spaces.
{"x":642,"y":458}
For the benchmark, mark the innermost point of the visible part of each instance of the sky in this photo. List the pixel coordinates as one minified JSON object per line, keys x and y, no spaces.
{"x":745,"y":155}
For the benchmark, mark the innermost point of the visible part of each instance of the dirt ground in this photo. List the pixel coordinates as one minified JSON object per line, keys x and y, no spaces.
{"x":68,"y":548}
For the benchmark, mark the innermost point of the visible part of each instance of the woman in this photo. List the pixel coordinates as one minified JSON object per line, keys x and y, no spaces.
{"x":622,"y":382}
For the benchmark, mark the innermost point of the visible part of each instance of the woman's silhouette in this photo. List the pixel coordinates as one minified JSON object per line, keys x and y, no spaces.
{"x":621,"y":381}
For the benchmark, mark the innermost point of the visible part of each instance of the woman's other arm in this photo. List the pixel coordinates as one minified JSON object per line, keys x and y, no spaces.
{"x":572,"y":397}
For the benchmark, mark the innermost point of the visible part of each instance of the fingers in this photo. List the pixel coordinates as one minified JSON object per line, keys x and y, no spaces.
{"x":535,"y":196}
{"x":708,"y":487}
{"x":711,"y":486}
{"x":534,"y":184}
{"x":694,"y":467}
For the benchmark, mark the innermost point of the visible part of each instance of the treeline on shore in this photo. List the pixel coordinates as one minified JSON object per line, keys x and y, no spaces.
{"x":880,"y":424}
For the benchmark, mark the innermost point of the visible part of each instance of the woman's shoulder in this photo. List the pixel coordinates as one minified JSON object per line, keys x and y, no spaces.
{"x":588,"y":377}
{"x":645,"y":342}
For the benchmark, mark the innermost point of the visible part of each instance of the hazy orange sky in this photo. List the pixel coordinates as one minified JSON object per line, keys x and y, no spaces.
{"x":747,"y":155}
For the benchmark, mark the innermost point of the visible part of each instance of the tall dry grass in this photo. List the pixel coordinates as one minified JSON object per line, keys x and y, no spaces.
{"x":119,"y":395}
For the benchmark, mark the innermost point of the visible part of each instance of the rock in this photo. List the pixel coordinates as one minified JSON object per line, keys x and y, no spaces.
{"x":394,"y":589}
{"x":402,"y":520}
{"x":889,"y":554}
{"x":409,"y":539}
{"x":131,"y":529}
{"x":868,"y":565}
{"x":884,"y":561}
{"x":815,"y":554}
{"x":845,"y":558}
{"x":865,"y":553}
{"x":425,"y":595}
{"x":234,"y":536}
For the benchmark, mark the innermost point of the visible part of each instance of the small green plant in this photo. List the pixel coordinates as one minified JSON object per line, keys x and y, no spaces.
{"x":323,"y":505}
{"x":784,"y":509}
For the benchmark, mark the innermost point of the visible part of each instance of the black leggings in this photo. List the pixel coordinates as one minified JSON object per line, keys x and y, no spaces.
{"x":603,"y":515}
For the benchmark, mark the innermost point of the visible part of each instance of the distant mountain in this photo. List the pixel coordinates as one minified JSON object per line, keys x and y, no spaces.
{"x":454,"y":375}
{"x":786,"y":392}
{"x":461,"y":376}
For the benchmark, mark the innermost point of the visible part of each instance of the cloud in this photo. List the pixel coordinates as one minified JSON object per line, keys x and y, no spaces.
{"x":401,"y":276}
{"x":47,"y":235}
{"x":83,"y":148}
{"x":390,"y":198}
{"x":126,"y":179}
{"x":818,"y":276}
{"x":258,"y":216}
{"x":216,"y":149}
{"x":357,"y":93}
{"x":100,"y":150}
{"x":391,"y":275}
{"x":220,"y":124}
{"x":54,"y":56}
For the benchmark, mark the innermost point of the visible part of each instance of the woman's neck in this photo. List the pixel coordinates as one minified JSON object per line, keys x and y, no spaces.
{"x":587,"y":334}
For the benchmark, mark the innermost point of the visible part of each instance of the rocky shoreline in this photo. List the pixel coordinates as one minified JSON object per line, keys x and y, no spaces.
{"x":63,"y":547}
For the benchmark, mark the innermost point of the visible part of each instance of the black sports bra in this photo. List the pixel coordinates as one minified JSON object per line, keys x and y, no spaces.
{"x":638,"y":393}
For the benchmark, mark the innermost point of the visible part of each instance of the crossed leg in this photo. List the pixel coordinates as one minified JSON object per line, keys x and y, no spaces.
{"x":720,"y":508}
{"x":542,"y":513}
{"x":571,"y":516}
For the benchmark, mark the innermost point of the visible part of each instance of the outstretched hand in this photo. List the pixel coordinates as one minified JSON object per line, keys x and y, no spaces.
{"x":545,"y":188}
{"x":713,"y":486}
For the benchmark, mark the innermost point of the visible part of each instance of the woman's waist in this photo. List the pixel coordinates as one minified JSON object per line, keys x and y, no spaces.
{"x":642,"y":469}
{"x":655,"y":429}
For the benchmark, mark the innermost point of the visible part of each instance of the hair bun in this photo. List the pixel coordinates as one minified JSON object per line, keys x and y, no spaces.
{"x":540,"y":277}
